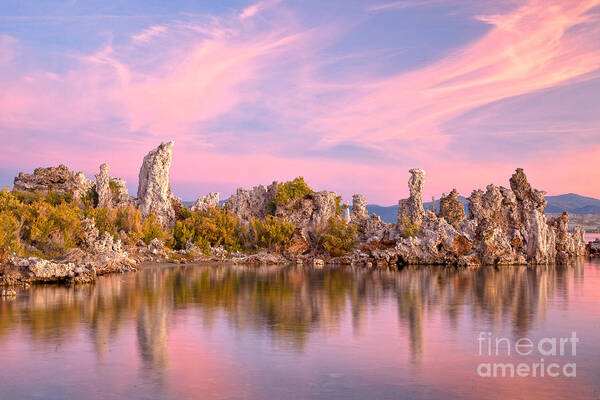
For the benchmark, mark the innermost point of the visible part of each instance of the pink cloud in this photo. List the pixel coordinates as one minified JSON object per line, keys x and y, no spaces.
{"x":173,"y":80}
{"x":530,"y":48}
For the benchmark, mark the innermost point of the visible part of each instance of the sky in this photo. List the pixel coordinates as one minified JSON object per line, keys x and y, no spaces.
{"x":348,"y":94}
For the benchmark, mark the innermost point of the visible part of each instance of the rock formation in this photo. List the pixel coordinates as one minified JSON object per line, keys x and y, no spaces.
{"x":505,"y":226}
{"x":593,"y":248}
{"x":412,"y":208}
{"x":203,"y":203}
{"x":310,"y":213}
{"x":451,"y":209}
{"x":112,"y":192}
{"x":347,"y":213}
{"x":154,"y":192}
{"x":103,"y":187}
{"x":359,"y":208}
{"x":254,"y":203}
{"x":53,"y":179}
{"x":98,"y":254}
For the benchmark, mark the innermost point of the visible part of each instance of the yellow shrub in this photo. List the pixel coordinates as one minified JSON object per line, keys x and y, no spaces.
{"x":273,"y":233}
{"x":338,"y":237}
{"x":291,"y":190}
{"x":410,"y":228}
{"x":214,"y":227}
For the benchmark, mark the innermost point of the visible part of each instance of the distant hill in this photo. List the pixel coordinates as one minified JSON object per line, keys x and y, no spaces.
{"x":570,"y":202}
{"x":573,"y":203}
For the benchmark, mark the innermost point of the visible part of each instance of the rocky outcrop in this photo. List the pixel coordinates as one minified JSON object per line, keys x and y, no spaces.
{"x":254,"y":203}
{"x":451,"y":209}
{"x":359,"y":208}
{"x":505,"y":226}
{"x":347,"y":213}
{"x":411,"y":210}
{"x":310,"y":213}
{"x":103,"y":187}
{"x":203,"y":203}
{"x":593,"y":248}
{"x":154,"y":191}
{"x":98,"y":254}
{"x":53,"y":179}
{"x":112,"y":192}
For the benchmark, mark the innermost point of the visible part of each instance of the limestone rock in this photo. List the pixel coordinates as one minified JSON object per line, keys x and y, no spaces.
{"x":452,"y":210}
{"x":359,"y":207}
{"x":154,"y":191}
{"x":254,"y":203}
{"x":593,"y":248}
{"x":53,"y":179}
{"x":412,"y":208}
{"x":347,"y":213}
{"x":103,"y":187}
{"x":203,"y":203}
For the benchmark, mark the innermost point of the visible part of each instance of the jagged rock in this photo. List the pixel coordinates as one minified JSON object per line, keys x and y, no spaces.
{"x":412,"y":208}
{"x":310,"y":213}
{"x":53,"y":179}
{"x":359,"y":208}
{"x":120,"y":194}
{"x":593,"y":248}
{"x":433,"y":207}
{"x":203,"y":203}
{"x":347,"y":213}
{"x":103,"y":187}
{"x":255,"y":203}
{"x":156,"y":246}
{"x":154,"y":192}
{"x":451,"y":209}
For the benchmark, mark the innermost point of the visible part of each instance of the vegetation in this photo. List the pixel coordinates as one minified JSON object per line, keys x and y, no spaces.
{"x":272,"y":233}
{"x":410,"y":228}
{"x":291,"y":190}
{"x":338,"y":238}
{"x":40,"y":224}
{"x":214,"y":227}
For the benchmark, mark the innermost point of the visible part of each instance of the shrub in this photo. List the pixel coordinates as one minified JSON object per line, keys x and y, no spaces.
{"x":273,"y":233}
{"x":214,"y":227}
{"x":51,"y":229}
{"x":152,"y":229}
{"x":90,"y":198}
{"x":410,"y":228}
{"x":338,"y":237}
{"x":10,"y":228}
{"x":125,"y":218}
{"x":291,"y":190}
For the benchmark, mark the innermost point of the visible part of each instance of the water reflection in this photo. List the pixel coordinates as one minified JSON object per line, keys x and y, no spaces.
{"x":288,"y":303}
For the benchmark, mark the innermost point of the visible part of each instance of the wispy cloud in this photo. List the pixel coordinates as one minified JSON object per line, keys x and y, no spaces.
{"x":149,"y":33}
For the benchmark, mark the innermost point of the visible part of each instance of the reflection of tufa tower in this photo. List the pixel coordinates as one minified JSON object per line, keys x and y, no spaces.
{"x":152,"y":334}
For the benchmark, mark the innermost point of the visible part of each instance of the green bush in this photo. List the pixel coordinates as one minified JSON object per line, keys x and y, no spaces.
{"x":272,"y":233}
{"x":214,"y":227}
{"x":338,"y":238}
{"x":51,"y":229}
{"x":410,"y":228}
{"x":125,"y":218}
{"x":10,"y":228}
{"x":291,"y":190}
{"x":153,"y":229}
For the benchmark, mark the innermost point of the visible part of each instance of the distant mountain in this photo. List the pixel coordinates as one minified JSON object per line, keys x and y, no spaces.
{"x":571,"y":202}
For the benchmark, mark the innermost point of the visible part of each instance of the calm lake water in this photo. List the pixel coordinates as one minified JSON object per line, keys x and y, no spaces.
{"x":220,"y":331}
